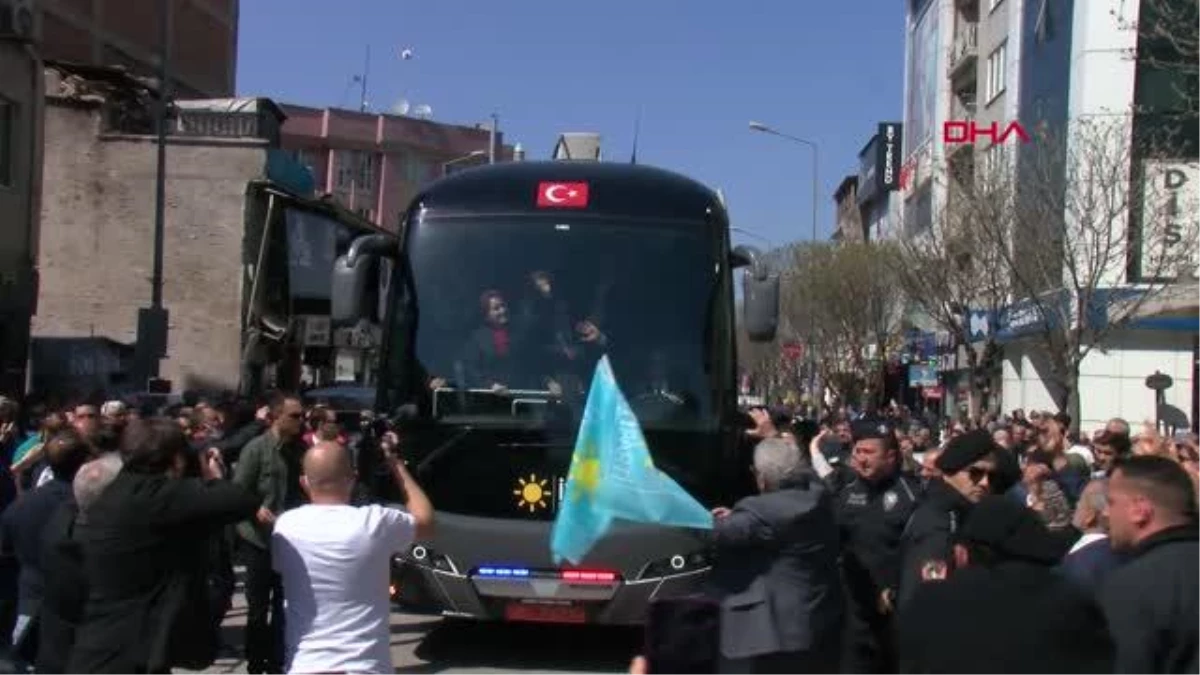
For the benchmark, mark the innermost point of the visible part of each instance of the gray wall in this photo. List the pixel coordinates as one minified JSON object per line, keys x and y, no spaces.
{"x":97,"y":241}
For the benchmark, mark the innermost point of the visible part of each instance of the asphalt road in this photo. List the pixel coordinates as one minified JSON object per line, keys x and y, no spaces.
{"x":432,"y":645}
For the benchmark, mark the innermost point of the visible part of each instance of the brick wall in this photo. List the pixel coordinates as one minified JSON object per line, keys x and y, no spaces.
{"x":96,"y":252}
{"x":126,"y":33}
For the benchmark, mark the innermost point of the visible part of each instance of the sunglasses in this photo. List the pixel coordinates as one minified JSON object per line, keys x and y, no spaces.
{"x":977,"y":474}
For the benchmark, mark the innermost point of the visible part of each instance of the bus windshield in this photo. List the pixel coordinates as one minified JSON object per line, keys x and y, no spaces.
{"x":512,"y":315}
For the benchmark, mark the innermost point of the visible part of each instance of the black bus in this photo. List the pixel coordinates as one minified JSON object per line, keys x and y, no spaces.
{"x":506,"y":285}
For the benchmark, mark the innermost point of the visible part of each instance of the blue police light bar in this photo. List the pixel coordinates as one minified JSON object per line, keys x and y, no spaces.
{"x":502,"y":572}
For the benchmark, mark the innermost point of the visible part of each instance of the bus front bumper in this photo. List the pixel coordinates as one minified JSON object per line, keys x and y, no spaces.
{"x":425,"y":586}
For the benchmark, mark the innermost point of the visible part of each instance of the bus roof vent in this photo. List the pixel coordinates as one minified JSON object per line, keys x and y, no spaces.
{"x":579,"y":146}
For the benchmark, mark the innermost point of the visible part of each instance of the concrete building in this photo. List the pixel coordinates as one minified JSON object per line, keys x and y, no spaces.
{"x":96,"y":245}
{"x":125,"y":33}
{"x":20,"y":149}
{"x":1076,"y":65}
{"x":374,"y":164}
{"x":961,"y":58}
{"x":578,"y":145}
{"x":247,"y":259}
{"x":849,"y":225}
{"x":878,"y":179}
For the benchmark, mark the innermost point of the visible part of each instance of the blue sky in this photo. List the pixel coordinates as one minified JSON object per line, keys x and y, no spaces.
{"x":699,"y":71}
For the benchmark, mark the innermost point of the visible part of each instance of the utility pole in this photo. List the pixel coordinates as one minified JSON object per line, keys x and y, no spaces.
{"x":160,"y":178}
{"x":492,"y":135}
{"x":362,"y":97}
{"x":152,"y":320}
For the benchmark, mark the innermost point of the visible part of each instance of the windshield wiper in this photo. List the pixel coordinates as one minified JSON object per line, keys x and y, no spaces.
{"x":441,"y":450}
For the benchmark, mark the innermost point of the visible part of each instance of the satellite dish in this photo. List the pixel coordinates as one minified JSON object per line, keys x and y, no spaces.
{"x":406,"y":54}
{"x":402,"y":107}
{"x":423,"y":111}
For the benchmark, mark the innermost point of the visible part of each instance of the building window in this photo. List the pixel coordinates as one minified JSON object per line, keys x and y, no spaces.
{"x":8,"y":121}
{"x":997,"y":73}
{"x":1043,"y":30}
{"x":356,"y":170}
{"x":416,"y":170}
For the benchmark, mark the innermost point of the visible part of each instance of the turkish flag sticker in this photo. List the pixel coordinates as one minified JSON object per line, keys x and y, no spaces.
{"x":562,"y":195}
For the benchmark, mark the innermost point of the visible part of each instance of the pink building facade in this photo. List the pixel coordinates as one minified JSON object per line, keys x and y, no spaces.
{"x":375,"y":164}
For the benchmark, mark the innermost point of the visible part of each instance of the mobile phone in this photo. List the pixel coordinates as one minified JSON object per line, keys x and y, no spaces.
{"x":683,"y":635}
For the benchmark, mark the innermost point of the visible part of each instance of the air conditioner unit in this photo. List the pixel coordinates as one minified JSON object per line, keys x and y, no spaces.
{"x":17,"y":20}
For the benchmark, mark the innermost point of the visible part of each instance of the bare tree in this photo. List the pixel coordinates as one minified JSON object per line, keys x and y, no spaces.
{"x":1099,"y":228}
{"x":845,"y":304}
{"x":1168,"y":34}
{"x":956,"y":274}
{"x":758,"y":360}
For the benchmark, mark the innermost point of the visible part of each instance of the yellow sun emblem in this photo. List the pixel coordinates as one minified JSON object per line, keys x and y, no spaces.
{"x":531,"y":493}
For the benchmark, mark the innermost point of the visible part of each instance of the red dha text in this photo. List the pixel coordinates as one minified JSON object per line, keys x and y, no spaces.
{"x":968,"y":131}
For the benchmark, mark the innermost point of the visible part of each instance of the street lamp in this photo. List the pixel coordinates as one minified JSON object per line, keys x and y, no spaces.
{"x":759,"y":126}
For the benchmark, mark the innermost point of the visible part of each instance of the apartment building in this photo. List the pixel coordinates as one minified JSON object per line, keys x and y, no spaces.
{"x":374,"y":164}
{"x":202,"y":37}
{"x":849,"y":226}
{"x":1083,"y":59}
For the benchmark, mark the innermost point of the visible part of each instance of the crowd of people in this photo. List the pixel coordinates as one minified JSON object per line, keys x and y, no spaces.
{"x":1008,"y":545}
{"x":121,"y":528}
{"x":875,"y":544}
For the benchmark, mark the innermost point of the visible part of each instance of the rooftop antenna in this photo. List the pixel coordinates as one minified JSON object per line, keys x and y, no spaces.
{"x":637,"y":128}
{"x":361,"y":81}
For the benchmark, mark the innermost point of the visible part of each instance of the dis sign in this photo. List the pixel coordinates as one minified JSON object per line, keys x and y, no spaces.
{"x":956,"y":132}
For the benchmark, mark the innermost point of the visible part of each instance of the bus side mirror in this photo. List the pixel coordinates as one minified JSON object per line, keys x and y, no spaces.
{"x":760,"y":295}
{"x":354,"y":280}
{"x":348,"y":296}
{"x":760,"y":307}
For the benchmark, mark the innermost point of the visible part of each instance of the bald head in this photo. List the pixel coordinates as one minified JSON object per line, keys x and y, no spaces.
{"x":328,"y":472}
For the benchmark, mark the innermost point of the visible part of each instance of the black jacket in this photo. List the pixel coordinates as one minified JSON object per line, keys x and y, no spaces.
{"x":1014,"y":617}
{"x":146,"y":556}
{"x":23,"y":524}
{"x":1153,"y":605}
{"x":927,"y":546}
{"x":872,"y":518}
{"x":65,"y":594}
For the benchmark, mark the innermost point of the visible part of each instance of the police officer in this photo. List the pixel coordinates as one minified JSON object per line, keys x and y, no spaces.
{"x":967,"y":467}
{"x":875,"y":500}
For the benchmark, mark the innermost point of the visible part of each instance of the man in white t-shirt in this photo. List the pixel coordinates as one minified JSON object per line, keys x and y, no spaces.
{"x":334,"y":560}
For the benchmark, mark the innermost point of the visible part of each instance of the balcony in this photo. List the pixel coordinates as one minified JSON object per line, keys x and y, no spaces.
{"x":965,"y":53}
{"x":963,"y":106}
{"x":968,"y":8}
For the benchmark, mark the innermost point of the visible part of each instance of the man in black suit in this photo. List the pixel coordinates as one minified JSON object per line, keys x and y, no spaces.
{"x":776,"y":570}
{"x":145,"y":556}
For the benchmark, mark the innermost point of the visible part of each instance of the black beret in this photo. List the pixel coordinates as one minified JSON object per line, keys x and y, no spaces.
{"x":1012,"y":530}
{"x":963,"y":451}
{"x":871,"y":429}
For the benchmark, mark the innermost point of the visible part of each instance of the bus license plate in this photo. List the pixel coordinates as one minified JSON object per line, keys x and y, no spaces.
{"x":519,"y":611}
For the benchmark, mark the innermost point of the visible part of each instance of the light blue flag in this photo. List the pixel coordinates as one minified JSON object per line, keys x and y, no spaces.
{"x":612,"y":476}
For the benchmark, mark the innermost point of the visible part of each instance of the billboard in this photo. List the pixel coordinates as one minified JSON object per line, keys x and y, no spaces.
{"x":1170,"y":220}
{"x":879,"y":162}
{"x":887,"y":155}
